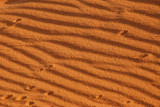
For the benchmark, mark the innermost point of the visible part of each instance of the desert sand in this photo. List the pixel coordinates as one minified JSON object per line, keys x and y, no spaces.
{"x":79,"y":53}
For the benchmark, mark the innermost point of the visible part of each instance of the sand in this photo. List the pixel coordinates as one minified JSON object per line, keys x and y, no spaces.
{"x":79,"y":53}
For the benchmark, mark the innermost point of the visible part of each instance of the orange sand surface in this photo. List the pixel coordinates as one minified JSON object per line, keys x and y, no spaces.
{"x":79,"y":53}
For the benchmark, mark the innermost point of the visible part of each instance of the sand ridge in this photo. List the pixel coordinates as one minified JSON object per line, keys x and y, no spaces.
{"x":79,"y":53}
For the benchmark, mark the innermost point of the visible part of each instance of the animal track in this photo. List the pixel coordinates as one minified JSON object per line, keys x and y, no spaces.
{"x":14,"y":22}
{"x":19,"y":98}
{"x":33,"y":88}
{"x":50,"y":66}
{"x":44,"y":68}
{"x":122,"y":32}
{"x":29,"y":88}
{"x":29,"y":103}
{"x":6,"y":97}
{"x":128,"y":101}
{"x":13,"y":98}
{"x":40,"y":69}
{"x":49,"y":93}
{"x":145,"y":56}
{"x":98,"y":96}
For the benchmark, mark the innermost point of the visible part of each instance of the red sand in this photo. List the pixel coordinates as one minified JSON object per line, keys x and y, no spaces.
{"x":80,"y":53}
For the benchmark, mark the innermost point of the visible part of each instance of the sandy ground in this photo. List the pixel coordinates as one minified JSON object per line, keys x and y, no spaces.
{"x":79,"y":53}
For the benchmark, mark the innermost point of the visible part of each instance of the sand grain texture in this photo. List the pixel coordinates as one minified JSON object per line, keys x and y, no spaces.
{"x":79,"y":53}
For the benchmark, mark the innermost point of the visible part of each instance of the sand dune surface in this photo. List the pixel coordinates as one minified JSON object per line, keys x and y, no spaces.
{"x":79,"y":53}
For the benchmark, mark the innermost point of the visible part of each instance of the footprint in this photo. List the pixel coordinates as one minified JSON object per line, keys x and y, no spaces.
{"x":45,"y":92}
{"x":146,"y":56}
{"x":6,"y":97}
{"x":49,"y":93}
{"x":19,"y":98}
{"x":100,"y":99}
{"x":40,"y":69}
{"x":122,"y":32}
{"x":13,"y":23}
{"x":17,"y":20}
{"x":98,"y":96}
{"x":29,"y":103}
{"x":156,"y":83}
{"x":15,"y":1}
{"x":44,"y":68}
{"x":49,"y":66}
{"x":128,"y":101}
{"x":29,"y":88}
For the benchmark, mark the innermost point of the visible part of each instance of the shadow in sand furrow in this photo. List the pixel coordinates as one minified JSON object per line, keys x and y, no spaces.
{"x":66,"y":13}
{"x":90,"y":37}
{"x":78,"y":92}
{"x":143,"y":78}
{"x":20,"y":63}
{"x":55,"y":3}
{"x":64,"y":99}
{"x":53,"y":95}
{"x":76,"y":47}
{"x":150,"y":70}
{"x":10,"y":90}
{"x":50,"y":53}
{"x":114,"y":43}
{"x":112,"y":80}
{"x":59,"y":74}
{"x":34,"y":29}
{"x":68,"y":100}
{"x":87,"y":95}
{"x":99,"y":86}
{"x":153,"y":15}
{"x":119,"y":20}
{"x":108,"y":70}
{"x":108,"y":42}
{"x":91,"y":85}
{"x":151,"y":2}
{"x":4,"y":105}
{"x":57,"y":85}
{"x":26,"y":76}
{"x":22,"y":75}
{"x":153,"y":42}
{"x":12,"y":36}
{"x":55,"y":55}
{"x":75,"y":91}
{"x":50,"y":103}
{"x":157,"y":86}
{"x":106,"y":101}
{"x":10,"y":2}
{"x":12,"y":81}
{"x":61,"y":23}
{"x":11,"y":24}
{"x":16,"y":73}
{"x":117,"y":92}
{"x":94,"y":5}
{"x":146,"y":28}
{"x":27,"y":54}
